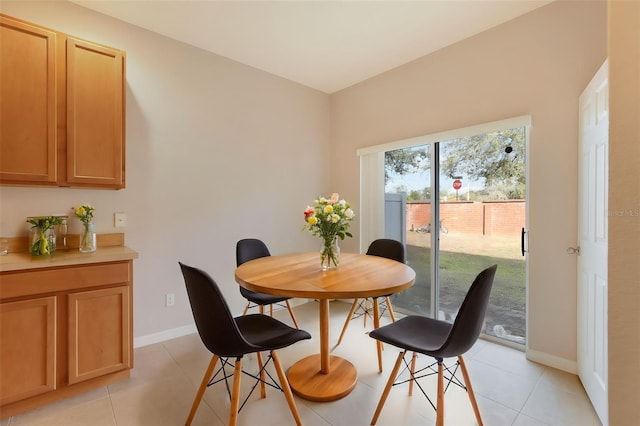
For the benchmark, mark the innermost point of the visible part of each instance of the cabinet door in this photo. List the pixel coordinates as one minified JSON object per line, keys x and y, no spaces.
{"x":99,"y":332}
{"x":27,"y":103}
{"x":95,"y":115}
{"x":27,"y":348}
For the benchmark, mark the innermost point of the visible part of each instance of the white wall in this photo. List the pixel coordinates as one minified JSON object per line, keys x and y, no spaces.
{"x":216,"y":151}
{"x":537,"y":64}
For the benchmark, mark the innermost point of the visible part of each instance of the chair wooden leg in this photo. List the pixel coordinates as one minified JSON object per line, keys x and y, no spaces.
{"x":261,"y":309}
{"x":246,"y":308}
{"x":440,"y":402}
{"x":472,"y":396}
{"x":376,"y":324}
{"x":366,"y":311}
{"x":293,"y":317}
{"x":263,"y":391}
{"x":387,"y":388}
{"x":413,"y":370}
{"x":201,"y":389}
{"x":271,"y":310}
{"x":284,"y":384}
{"x":235,"y":393}
{"x":348,"y":320}
{"x":390,"y":309}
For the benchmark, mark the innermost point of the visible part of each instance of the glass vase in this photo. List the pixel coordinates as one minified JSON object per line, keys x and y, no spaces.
{"x":88,"y":238}
{"x":42,"y":242}
{"x":329,"y":254}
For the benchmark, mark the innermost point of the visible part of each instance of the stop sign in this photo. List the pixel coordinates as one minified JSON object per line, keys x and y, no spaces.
{"x":457,"y":184}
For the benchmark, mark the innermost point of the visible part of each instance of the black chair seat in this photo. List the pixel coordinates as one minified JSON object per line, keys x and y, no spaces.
{"x":267,"y":332}
{"x":261,"y":298}
{"x":409,"y":333}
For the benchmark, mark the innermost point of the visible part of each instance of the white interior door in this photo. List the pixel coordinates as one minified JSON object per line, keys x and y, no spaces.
{"x":593,"y":235}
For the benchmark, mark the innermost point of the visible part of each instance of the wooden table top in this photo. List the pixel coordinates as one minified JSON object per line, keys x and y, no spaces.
{"x":299,"y":275}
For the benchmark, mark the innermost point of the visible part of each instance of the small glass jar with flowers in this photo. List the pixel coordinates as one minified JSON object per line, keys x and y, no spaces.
{"x":42,"y":238}
{"x":329,"y":219}
{"x":84,"y":212}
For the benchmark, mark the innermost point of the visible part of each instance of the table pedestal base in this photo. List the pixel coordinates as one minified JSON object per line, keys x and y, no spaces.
{"x":308,"y":382}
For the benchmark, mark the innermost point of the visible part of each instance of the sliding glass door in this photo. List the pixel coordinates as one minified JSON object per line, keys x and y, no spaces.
{"x":473,"y":189}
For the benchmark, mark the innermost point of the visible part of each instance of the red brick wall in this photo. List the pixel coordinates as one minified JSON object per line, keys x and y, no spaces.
{"x":418,"y":214}
{"x":468,"y":217}
{"x":504,"y":218}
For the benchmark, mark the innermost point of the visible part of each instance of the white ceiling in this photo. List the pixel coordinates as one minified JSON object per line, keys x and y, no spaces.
{"x":326,"y":45}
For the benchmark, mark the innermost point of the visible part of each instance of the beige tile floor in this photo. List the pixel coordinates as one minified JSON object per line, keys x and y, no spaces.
{"x":510,"y":390}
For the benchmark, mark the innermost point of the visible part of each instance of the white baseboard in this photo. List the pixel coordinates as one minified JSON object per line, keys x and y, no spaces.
{"x":161,"y":336}
{"x":552,"y":361}
{"x":172,"y":333}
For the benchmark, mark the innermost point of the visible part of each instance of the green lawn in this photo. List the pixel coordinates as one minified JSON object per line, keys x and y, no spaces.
{"x":457,"y":271}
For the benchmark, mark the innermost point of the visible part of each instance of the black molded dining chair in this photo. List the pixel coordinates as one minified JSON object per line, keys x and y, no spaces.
{"x":439,"y":339}
{"x":390,"y":249}
{"x":248,"y":249}
{"x":228,"y":337}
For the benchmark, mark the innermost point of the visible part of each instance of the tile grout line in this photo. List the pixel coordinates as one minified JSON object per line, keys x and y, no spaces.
{"x":533,"y":388}
{"x":113,"y":411}
{"x":194,"y":385}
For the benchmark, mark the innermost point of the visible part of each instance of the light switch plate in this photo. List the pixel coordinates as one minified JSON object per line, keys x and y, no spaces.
{"x":119,"y":220}
{"x":170,"y":299}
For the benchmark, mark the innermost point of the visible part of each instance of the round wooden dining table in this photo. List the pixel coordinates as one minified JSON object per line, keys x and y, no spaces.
{"x":324,"y":377}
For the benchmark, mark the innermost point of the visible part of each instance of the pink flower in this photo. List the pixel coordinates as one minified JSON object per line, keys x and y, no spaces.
{"x":334,"y":198}
{"x":309,"y":211}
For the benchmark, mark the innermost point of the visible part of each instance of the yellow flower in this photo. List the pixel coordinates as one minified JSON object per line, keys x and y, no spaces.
{"x":328,"y":209}
{"x":84,"y":212}
{"x":312,"y":220}
{"x":44,"y":246}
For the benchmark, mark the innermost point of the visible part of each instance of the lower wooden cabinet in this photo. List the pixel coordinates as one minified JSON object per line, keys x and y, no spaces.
{"x":27,"y":348}
{"x":63,"y":331}
{"x":99,"y":333}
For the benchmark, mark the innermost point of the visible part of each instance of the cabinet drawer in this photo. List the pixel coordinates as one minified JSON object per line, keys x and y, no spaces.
{"x":25,"y":283}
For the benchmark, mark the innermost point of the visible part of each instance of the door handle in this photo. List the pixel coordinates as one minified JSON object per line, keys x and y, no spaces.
{"x":573,"y":250}
{"x":522,"y":242}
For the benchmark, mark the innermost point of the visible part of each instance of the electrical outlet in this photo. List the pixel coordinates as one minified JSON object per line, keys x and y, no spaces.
{"x":120,"y":220}
{"x":170,"y":299}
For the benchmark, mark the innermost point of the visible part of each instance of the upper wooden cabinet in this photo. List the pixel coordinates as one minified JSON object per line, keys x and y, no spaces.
{"x":95,"y":120}
{"x":62,"y":109}
{"x":28,"y":102}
